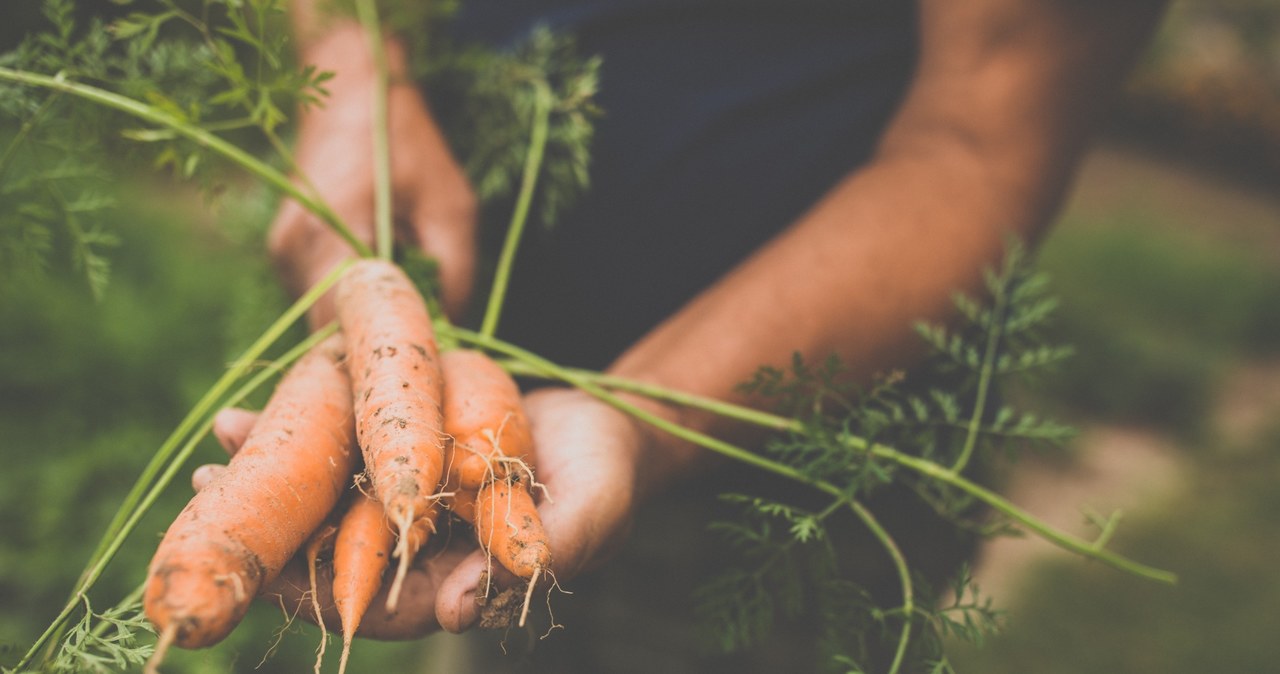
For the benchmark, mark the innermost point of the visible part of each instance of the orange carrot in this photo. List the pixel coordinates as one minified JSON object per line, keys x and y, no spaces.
{"x":360,"y":556}
{"x":484,"y":416}
{"x":509,"y":528}
{"x":397,"y":388}
{"x":463,"y":504}
{"x":237,"y":533}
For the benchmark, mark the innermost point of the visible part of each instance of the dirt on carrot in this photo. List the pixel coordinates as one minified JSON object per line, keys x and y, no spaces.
{"x":237,"y":533}
{"x":397,"y":387}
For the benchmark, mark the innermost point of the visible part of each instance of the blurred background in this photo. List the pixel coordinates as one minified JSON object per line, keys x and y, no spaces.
{"x":1166,"y":259}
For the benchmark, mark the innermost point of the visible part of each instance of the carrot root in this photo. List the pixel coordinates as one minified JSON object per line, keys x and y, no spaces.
{"x":317,"y":543}
{"x":167,"y":637}
{"x":533,"y":582}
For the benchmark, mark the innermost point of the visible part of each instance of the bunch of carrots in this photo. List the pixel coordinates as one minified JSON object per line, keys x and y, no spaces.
{"x":438,"y":435}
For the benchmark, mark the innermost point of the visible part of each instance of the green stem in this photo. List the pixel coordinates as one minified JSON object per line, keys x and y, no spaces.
{"x":570,"y":377}
{"x":595,"y":383}
{"x":140,"y":496}
{"x":248,"y":162}
{"x":994,"y":331}
{"x":528,"y":181}
{"x":655,"y":392}
{"x":155,"y":135}
{"x":368,"y":12}
{"x":1060,"y":539}
{"x":904,"y":577}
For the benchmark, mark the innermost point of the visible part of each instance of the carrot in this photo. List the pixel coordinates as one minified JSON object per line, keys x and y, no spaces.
{"x":360,"y":556}
{"x":397,"y":388}
{"x":509,"y":529}
{"x":237,"y":533}
{"x":463,"y":504}
{"x":484,"y":416}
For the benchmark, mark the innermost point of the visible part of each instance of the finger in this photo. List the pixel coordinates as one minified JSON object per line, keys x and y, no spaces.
{"x":206,"y":474}
{"x":305,"y":250}
{"x":448,"y":235}
{"x":231,"y":426}
{"x":456,"y":607}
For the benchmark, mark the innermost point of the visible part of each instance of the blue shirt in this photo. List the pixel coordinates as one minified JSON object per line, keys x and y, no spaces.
{"x":724,"y":120}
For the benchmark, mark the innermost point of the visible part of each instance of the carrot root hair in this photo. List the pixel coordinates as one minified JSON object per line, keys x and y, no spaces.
{"x":317,"y":543}
{"x":167,"y":637}
{"x":403,"y":524}
{"x":533,"y":582}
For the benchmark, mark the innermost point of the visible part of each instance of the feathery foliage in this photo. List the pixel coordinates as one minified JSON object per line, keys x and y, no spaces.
{"x":944,"y":412}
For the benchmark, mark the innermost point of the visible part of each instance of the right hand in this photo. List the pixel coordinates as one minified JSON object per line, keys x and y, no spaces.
{"x":433,"y":204}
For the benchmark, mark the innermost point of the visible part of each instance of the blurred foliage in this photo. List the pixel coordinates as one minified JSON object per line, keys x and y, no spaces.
{"x":1219,"y":537}
{"x":1156,"y":313}
{"x":88,"y":389}
{"x":1209,"y":87}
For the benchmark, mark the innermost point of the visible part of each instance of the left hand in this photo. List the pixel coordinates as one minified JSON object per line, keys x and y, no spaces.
{"x":588,"y":458}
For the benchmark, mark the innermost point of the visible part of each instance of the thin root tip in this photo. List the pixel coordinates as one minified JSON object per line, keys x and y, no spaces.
{"x":346,"y":652}
{"x":393,"y":596}
{"x":533,"y":582}
{"x":166,"y":640}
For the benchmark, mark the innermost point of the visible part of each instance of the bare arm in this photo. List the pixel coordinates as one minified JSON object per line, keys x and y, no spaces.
{"x":983,"y":146}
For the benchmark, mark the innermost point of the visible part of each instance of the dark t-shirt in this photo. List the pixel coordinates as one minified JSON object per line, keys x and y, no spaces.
{"x":723,"y":121}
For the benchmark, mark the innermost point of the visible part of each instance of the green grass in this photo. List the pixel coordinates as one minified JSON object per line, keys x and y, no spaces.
{"x":1155,"y":314}
{"x":1219,"y":537}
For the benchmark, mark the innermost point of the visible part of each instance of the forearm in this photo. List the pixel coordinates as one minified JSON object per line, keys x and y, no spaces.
{"x":982,"y":148}
{"x":885,"y":248}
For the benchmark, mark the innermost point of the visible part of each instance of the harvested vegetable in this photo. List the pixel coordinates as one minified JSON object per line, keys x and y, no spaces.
{"x":237,"y":533}
{"x":484,"y":416}
{"x":397,"y":385}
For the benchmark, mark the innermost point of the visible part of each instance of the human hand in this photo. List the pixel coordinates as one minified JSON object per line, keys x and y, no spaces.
{"x":415,"y":614}
{"x":587,"y":459}
{"x":433,"y":204}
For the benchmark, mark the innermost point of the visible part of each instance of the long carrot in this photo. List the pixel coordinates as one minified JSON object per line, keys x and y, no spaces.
{"x":397,"y":388}
{"x":484,"y":416}
{"x":237,"y":533}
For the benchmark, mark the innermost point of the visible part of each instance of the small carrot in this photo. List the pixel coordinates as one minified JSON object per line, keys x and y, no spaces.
{"x":509,"y":529}
{"x":484,"y":416}
{"x":397,"y":388}
{"x":237,"y":533}
{"x":360,"y":556}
